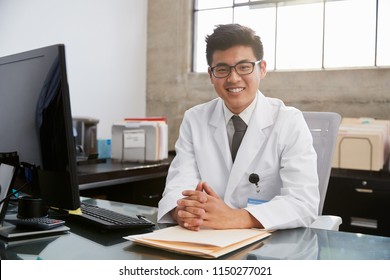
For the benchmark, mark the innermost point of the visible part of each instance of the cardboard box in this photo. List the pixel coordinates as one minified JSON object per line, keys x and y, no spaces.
{"x":362,"y":143}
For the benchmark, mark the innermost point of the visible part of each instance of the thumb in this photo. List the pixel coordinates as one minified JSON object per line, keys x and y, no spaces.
{"x":199,"y":187}
{"x":209,"y":190}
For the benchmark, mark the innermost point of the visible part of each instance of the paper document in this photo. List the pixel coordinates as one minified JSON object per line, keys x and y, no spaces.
{"x":206,"y":243}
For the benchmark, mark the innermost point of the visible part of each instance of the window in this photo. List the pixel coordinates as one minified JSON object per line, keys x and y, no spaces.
{"x":305,"y":34}
{"x":350,"y":33}
{"x":299,"y":41}
{"x":206,"y":22}
{"x":383,"y":41}
{"x":263,"y":21}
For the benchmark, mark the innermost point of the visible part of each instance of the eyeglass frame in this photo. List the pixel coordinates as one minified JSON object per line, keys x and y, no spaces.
{"x":234,"y":66}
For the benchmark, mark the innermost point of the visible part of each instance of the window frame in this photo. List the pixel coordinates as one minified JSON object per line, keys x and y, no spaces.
{"x":279,"y":3}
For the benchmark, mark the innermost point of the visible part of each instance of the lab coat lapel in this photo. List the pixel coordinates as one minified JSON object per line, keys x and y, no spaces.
{"x":251,"y":144}
{"x":217,"y":122}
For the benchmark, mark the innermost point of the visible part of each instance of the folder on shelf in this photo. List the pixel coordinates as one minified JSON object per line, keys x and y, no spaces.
{"x":147,"y":119}
{"x":362,"y":143}
{"x":206,"y":243}
{"x":140,"y":139}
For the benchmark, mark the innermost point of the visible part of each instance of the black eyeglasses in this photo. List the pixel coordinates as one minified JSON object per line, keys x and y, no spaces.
{"x":241,"y":68}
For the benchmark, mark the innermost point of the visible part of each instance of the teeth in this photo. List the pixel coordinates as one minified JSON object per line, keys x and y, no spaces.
{"x":235,"y":89}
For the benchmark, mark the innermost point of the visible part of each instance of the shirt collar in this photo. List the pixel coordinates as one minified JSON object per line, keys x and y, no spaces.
{"x":244,"y":115}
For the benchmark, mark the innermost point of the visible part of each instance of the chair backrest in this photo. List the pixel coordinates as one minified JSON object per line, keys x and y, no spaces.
{"x":324,"y":127}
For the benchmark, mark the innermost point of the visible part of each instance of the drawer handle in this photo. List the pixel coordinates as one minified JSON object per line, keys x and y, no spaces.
{"x":362,"y":222}
{"x":152,"y":196}
{"x":361,"y":190}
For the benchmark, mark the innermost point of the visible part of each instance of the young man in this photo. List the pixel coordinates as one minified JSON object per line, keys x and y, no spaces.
{"x":271,"y":181}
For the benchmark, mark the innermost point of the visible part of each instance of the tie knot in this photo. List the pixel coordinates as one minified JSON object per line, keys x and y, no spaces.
{"x":239,"y":124}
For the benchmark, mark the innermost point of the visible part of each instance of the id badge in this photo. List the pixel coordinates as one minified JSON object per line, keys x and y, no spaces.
{"x":253,"y":201}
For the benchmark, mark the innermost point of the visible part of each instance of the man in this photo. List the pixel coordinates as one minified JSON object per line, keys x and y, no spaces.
{"x":271,"y":181}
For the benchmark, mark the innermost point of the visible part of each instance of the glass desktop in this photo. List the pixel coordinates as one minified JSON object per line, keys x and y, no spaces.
{"x":87,"y":243}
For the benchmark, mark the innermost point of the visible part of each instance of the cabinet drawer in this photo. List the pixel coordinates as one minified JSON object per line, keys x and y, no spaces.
{"x":148,"y":192}
{"x":148,"y":195}
{"x":364,"y":205}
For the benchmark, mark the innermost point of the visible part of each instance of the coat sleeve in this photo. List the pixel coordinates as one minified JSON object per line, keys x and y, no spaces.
{"x":183,"y":172}
{"x":297,"y":204}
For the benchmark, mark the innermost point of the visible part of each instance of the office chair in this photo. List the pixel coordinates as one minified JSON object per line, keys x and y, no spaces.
{"x":324,"y":127}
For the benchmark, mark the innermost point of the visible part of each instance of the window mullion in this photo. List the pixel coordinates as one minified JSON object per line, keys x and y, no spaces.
{"x":276,"y":35}
{"x":376,"y":31}
{"x":323,"y":34}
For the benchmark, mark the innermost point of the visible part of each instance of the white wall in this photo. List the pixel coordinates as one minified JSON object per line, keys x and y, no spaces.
{"x":105,"y":43}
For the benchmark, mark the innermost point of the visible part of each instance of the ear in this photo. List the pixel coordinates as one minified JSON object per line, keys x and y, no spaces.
{"x":210,"y":75}
{"x":263,"y":69}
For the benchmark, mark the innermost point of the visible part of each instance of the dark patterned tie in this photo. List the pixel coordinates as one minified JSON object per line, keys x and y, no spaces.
{"x":239,"y":131}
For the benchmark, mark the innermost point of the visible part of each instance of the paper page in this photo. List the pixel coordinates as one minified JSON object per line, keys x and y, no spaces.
{"x":163,"y":141}
{"x":220,"y":238}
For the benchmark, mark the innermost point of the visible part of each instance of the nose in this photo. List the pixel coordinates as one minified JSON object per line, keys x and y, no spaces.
{"x":233,"y":76}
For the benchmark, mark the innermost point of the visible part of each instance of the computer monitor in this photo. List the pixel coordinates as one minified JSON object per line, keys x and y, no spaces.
{"x":36,"y":121}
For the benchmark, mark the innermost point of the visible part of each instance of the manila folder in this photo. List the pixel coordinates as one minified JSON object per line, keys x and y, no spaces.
{"x":206,"y":243}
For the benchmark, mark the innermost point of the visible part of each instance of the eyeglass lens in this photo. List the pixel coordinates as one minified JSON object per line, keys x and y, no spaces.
{"x":243,"y":68}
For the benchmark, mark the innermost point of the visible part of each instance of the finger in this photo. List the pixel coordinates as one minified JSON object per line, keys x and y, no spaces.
{"x":191,"y":212}
{"x":187,"y":226}
{"x":191,"y":193}
{"x":195,"y":195}
{"x":192,"y":224}
{"x":184,"y":202}
{"x":196,"y":228}
{"x":191,"y":206}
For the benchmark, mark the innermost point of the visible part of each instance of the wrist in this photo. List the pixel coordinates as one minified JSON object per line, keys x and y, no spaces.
{"x":245,"y":220}
{"x":174,"y":214}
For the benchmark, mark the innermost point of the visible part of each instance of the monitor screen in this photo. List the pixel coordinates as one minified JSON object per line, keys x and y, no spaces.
{"x":36,"y":121}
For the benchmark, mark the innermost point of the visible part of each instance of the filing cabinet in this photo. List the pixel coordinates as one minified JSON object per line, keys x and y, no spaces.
{"x":361,"y":199}
{"x":145,"y":192}
{"x":136,"y":183}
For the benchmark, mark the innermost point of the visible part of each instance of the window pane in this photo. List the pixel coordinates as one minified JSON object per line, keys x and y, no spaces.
{"x":261,"y":20}
{"x":207,"y":4}
{"x":350,"y":33}
{"x":299,"y":36}
{"x":205,"y":24}
{"x":383,"y":54}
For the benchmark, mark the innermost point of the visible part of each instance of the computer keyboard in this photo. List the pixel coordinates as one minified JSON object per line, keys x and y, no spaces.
{"x":107,"y":219}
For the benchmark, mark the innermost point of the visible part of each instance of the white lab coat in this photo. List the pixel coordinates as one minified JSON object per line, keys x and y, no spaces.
{"x":277,"y":146}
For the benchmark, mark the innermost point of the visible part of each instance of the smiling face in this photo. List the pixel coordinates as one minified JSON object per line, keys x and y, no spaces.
{"x":237,"y":91}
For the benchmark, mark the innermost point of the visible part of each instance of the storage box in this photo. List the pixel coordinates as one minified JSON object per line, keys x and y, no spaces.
{"x":362,"y":143}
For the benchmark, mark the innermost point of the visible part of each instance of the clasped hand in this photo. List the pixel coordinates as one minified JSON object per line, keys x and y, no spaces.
{"x":203,"y":207}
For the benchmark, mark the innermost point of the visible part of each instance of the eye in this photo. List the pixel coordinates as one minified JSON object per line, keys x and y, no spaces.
{"x":245,"y":66}
{"x":221,"y":69}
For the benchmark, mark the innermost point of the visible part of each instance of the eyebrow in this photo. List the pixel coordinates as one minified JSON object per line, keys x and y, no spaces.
{"x":225,"y":64}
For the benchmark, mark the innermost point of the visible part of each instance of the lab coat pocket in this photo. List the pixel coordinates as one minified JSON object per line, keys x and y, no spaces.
{"x":268,"y":184}
{"x":269,"y":173}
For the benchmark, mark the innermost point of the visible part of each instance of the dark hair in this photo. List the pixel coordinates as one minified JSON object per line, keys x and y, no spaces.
{"x":226,"y":36}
